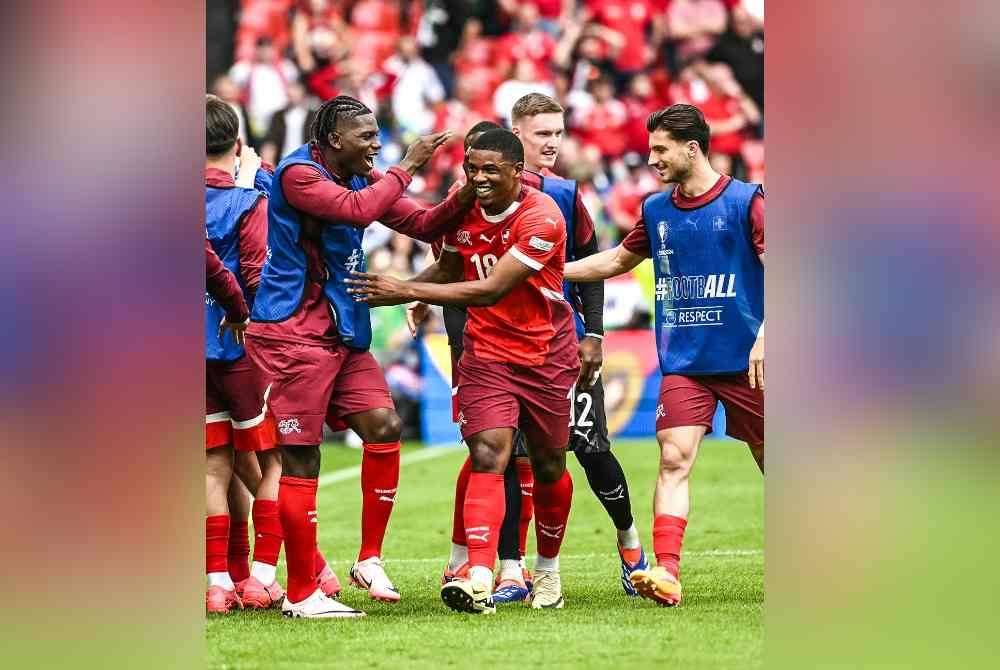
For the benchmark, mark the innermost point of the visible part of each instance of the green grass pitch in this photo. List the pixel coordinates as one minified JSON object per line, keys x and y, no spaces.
{"x":719,"y":625}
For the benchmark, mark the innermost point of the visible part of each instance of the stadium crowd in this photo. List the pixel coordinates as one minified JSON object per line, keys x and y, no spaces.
{"x":431,"y":65}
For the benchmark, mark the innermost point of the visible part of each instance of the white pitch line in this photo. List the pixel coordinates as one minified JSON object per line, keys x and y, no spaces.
{"x":425,"y":454}
{"x":582,"y":557}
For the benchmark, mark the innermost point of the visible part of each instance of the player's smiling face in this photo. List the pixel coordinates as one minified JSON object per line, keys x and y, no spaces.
{"x":358,"y":143}
{"x":496,"y":179}
{"x":542,"y":137}
{"x":671,"y":159}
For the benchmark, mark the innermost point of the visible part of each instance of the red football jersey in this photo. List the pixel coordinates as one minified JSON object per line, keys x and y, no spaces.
{"x":533,"y":323}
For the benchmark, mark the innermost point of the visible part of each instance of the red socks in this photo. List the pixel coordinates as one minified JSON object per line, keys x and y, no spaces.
{"x":527,"y":477}
{"x":297,"y":510}
{"x":461,"y":486}
{"x":216,"y":542}
{"x":552,"y":503}
{"x":484,"y":510}
{"x":267,"y":528}
{"x":668,"y":534}
{"x":239,"y":550}
{"x":379,"y":479}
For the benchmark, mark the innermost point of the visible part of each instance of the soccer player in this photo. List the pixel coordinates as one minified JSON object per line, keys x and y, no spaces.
{"x":706,"y":238}
{"x":311,"y":338}
{"x":236,"y":230}
{"x":519,"y":361}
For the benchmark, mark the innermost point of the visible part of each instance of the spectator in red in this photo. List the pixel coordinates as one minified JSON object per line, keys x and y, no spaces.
{"x":634,"y":20}
{"x":262,"y":18}
{"x":640,"y":101}
{"x":264,"y":84}
{"x":474,"y":63}
{"x":526,"y":41}
{"x":604,"y":125}
{"x":694,"y":25}
{"x":319,"y":34}
{"x":376,"y":28}
{"x":624,"y":203}
{"x":727,"y":109}
{"x":457,"y":115}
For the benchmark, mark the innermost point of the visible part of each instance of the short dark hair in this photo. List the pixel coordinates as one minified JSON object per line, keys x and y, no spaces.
{"x":683,"y":122}
{"x":479,"y":129}
{"x":222,"y":126}
{"x":534,"y":104}
{"x":504,"y":141}
{"x":331,"y":111}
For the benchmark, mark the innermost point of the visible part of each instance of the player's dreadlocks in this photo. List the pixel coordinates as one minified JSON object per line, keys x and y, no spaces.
{"x":341,"y":107}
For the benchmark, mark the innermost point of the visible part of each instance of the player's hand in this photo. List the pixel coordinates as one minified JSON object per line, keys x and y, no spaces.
{"x":591,"y":358}
{"x":467,"y":194}
{"x":756,"y":364}
{"x":250,"y":162}
{"x":238,"y":329}
{"x":377,"y":290}
{"x":421,"y":151}
{"x":416,"y":314}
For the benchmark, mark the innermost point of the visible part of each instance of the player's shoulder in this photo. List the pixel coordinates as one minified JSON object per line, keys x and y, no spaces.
{"x":537,"y":206}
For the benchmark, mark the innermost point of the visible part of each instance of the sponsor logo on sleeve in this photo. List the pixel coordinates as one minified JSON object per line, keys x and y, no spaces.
{"x":540,"y":244}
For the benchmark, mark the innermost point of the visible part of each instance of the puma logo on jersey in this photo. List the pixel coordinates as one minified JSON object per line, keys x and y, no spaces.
{"x":488,"y":240}
{"x":552,"y":221}
{"x":540,"y":244}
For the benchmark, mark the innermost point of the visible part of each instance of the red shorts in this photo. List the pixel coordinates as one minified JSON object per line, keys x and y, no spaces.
{"x":493,"y":394}
{"x":235,"y":411}
{"x":311,"y":382}
{"x":691,"y":401}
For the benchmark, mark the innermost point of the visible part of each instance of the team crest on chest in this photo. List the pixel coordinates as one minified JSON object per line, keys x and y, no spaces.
{"x":718,"y":224}
{"x":464,"y":237}
{"x":504,"y":236}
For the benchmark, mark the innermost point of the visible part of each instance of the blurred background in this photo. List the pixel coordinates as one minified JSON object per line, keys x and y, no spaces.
{"x":883,"y":295}
{"x":431,"y":65}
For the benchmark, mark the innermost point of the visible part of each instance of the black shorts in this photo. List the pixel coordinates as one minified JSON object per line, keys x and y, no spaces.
{"x":588,"y":431}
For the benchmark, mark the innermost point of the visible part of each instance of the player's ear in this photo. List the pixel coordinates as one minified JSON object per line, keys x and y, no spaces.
{"x":516,"y":130}
{"x":333,"y":139}
{"x":239,"y":146}
{"x":518,"y":168}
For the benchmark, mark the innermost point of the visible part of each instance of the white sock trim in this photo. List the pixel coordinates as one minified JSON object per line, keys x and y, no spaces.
{"x":264,"y":573}
{"x":629,"y":538}
{"x":510,"y":569}
{"x":459,"y":555}
{"x":481,"y":574}
{"x":547,"y":564}
{"x":221,"y":579}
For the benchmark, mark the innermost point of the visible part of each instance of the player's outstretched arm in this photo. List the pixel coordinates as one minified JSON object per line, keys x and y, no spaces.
{"x":609,"y":263}
{"x":383,"y":290}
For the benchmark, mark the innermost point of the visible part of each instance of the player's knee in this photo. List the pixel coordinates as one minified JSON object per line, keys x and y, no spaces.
{"x":549,"y":467}
{"x":675,"y":460}
{"x":300,"y":461}
{"x":385,"y":427}
{"x":488,"y":455}
{"x":219,"y":464}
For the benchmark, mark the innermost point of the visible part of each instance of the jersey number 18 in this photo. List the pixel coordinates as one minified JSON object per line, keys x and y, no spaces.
{"x":484,"y":265}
